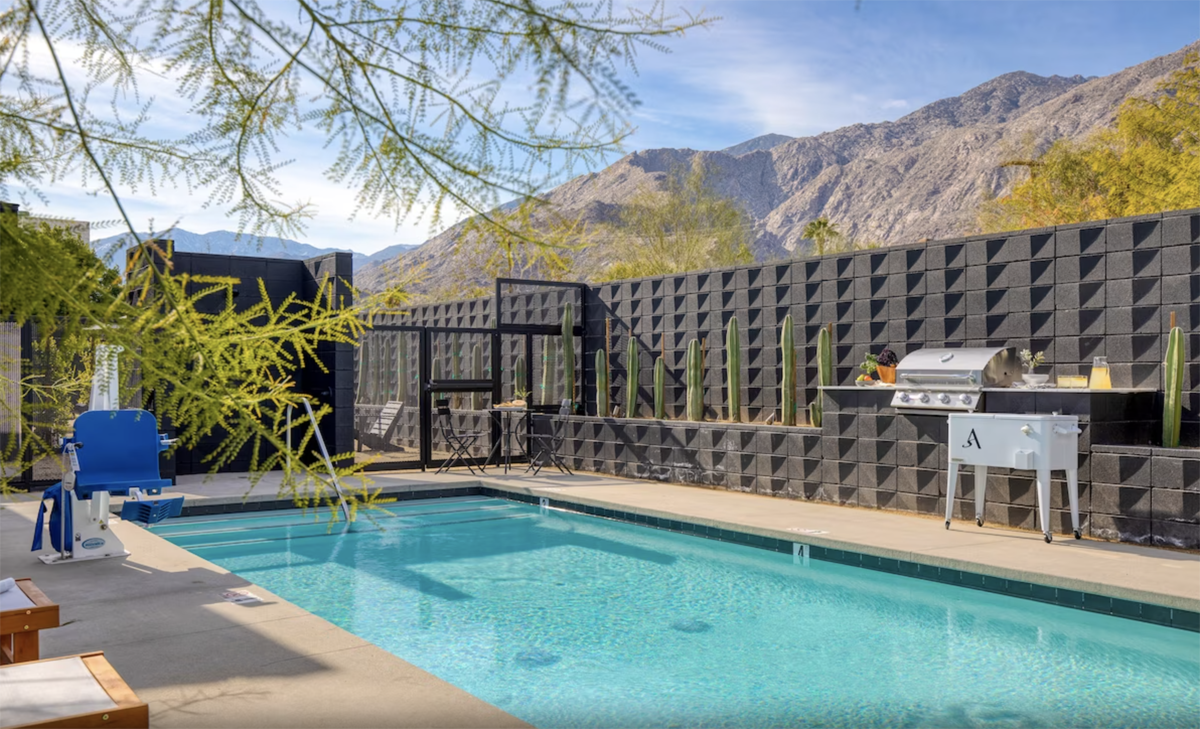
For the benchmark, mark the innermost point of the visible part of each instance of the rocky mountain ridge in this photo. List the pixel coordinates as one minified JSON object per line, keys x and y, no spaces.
{"x":921,"y":176}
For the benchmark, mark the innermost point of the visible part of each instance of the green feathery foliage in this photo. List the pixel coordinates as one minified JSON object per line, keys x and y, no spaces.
{"x":1148,"y":161}
{"x":685,"y":227}
{"x":413,"y":98}
{"x":207,"y":371}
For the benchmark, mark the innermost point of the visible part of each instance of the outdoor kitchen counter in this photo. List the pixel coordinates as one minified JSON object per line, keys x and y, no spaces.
{"x":1070,"y":390}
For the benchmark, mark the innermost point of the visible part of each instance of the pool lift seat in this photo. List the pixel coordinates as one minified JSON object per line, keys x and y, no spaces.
{"x":111,"y":451}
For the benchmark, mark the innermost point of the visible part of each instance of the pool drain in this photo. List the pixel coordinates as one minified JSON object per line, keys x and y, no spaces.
{"x":537,"y":658}
{"x":691,"y":625}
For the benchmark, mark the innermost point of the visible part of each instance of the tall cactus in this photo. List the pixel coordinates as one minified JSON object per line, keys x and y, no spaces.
{"x":824,"y":374}
{"x":455,"y":366}
{"x":549,"y":369}
{"x":733,"y":370}
{"x":788,"y":353}
{"x":519,"y":379}
{"x":633,"y":369}
{"x":1173,"y":389}
{"x":360,"y":397}
{"x":660,"y":388}
{"x":435,"y":375}
{"x":602,"y":404}
{"x":568,"y":352}
{"x":477,"y":374}
{"x":402,"y":367}
{"x":695,"y":382}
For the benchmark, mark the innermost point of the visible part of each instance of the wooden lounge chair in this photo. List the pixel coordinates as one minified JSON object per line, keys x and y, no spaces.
{"x":377,"y":432}
{"x":24,"y":610}
{"x":72,"y":691}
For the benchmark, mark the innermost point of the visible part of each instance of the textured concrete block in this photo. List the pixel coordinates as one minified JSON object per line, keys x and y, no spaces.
{"x":1180,"y":230}
{"x":1174,"y":505}
{"x":1175,"y":534}
{"x":1176,"y":473}
{"x":1122,"y":469}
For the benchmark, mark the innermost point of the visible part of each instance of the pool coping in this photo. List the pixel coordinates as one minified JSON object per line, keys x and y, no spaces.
{"x":1159,"y":609}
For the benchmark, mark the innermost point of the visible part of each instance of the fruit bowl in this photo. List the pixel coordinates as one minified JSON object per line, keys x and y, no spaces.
{"x":1035,"y":380}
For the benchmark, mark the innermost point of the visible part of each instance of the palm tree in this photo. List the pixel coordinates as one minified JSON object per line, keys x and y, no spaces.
{"x":822,"y":232}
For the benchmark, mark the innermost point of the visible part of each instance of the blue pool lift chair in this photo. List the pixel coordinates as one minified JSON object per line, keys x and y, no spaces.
{"x":111,"y":452}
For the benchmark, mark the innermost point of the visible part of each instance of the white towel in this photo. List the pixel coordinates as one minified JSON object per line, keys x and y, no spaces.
{"x":7,"y":584}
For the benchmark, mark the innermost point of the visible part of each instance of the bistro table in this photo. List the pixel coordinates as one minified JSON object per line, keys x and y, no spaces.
{"x":505,"y":444}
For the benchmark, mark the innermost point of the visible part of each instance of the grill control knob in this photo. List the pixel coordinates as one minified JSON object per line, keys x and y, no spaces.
{"x":944,"y":398}
{"x":924,"y":397}
{"x":966,"y":399}
{"x":904,"y":397}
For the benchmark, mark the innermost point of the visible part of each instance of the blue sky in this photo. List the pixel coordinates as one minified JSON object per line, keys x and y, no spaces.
{"x":790,"y":67}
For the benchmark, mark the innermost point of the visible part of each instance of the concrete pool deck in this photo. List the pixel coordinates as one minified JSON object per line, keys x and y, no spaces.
{"x":201,"y":661}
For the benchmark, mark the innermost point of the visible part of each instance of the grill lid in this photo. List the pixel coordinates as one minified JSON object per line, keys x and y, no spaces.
{"x":970,"y":368}
{"x":951,"y":379}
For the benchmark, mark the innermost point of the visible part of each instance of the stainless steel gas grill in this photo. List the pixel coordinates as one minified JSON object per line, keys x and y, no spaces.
{"x":952,"y":380}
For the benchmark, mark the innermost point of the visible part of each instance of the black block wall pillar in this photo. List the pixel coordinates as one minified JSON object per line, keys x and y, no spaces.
{"x":332,"y":381}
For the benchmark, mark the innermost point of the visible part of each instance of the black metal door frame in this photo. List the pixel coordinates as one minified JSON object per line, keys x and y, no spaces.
{"x":529,"y":331}
{"x":428,"y":386}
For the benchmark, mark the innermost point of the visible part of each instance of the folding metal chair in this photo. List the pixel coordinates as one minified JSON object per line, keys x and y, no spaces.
{"x":460,"y":443}
{"x":544,"y":447}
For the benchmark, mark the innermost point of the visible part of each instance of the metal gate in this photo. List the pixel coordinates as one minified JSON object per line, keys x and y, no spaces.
{"x":403,"y":370}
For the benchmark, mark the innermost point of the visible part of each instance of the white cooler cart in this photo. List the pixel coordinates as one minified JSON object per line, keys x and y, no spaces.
{"x":1041,"y":443}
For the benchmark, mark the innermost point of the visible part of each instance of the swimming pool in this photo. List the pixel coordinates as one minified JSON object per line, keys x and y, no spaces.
{"x":567,"y":620}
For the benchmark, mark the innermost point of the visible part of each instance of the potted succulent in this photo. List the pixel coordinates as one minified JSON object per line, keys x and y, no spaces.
{"x":1031,"y":361}
{"x":885,"y":365}
{"x":869,"y":367}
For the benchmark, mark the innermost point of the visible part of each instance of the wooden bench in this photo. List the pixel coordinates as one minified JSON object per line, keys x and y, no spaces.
{"x":24,"y":610}
{"x":72,"y":691}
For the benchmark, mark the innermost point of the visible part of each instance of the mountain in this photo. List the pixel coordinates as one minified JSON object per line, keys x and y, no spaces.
{"x":229,"y":243}
{"x":921,"y":176}
{"x":765,"y":142}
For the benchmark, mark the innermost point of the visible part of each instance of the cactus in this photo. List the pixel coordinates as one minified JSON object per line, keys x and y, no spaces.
{"x":733,"y":370}
{"x":360,"y":383}
{"x":436,"y":375}
{"x":824,"y":375}
{"x":660,"y":387}
{"x":1173,"y":389}
{"x":455,"y":366}
{"x":789,"y":371}
{"x":568,"y":352}
{"x":602,"y":406}
{"x":477,"y":374}
{"x":633,"y":369}
{"x":549,"y":369}
{"x":519,"y":379}
{"x":695,"y":383}
{"x":402,"y":367}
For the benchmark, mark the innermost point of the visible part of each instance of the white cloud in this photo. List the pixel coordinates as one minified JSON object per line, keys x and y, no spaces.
{"x":894,"y":104}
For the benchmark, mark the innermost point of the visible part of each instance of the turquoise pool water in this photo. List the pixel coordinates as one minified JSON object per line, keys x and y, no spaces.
{"x":566,"y":620}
